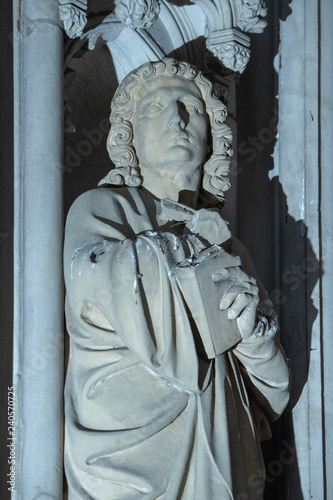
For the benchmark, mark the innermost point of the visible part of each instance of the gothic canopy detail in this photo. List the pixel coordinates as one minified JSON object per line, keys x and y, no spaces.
{"x":227,"y":21}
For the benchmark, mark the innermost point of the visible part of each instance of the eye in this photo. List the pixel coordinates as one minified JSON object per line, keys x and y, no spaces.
{"x":194,"y":107}
{"x":153,"y":109}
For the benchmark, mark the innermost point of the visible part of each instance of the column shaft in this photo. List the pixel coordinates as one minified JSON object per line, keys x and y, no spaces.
{"x":38,"y":307}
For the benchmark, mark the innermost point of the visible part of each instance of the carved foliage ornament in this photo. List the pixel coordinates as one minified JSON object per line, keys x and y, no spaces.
{"x":137,"y":14}
{"x":232,"y":55}
{"x":227,"y":22}
{"x":231,"y":48}
{"x":251,"y":18}
{"x":74,"y":17}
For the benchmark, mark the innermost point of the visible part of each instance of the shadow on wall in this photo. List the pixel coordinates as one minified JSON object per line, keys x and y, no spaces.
{"x":278,"y":243}
{"x":284,"y":9}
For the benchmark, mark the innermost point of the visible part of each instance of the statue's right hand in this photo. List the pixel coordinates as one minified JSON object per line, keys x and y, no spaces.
{"x":209,"y":225}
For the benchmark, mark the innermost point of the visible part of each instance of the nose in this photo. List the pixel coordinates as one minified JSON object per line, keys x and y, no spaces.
{"x":179,"y":115}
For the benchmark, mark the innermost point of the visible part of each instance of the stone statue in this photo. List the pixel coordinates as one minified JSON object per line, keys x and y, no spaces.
{"x":174,"y":371}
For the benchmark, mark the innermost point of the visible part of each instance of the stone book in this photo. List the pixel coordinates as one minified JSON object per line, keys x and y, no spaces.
{"x":203,"y":294}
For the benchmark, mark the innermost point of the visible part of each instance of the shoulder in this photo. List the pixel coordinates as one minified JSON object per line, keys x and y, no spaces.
{"x":100,"y":199}
{"x":100,"y":195}
{"x":95,"y":214}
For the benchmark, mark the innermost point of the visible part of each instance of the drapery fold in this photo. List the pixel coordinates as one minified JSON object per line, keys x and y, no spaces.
{"x":146,"y":415}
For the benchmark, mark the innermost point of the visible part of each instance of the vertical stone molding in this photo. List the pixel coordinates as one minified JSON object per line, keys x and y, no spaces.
{"x":326,"y":185}
{"x":303,"y":160}
{"x":38,"y":300}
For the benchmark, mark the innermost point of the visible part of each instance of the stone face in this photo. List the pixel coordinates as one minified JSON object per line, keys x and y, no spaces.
{"x":173,"y":373}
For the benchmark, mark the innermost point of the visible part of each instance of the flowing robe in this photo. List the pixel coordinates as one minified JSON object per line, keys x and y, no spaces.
{"x":146,"y":416}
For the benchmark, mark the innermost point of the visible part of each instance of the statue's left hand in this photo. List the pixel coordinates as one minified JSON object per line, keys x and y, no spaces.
{"x":241,"y":299}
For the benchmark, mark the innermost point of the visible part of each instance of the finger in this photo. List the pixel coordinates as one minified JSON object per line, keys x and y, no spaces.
{"x":243,"y":301}
{"x":236,"y":289}
{"x":241,"y":286}
{"x":232,"y":273}
{"x":229,"y":298}
{"x":229,"y":273}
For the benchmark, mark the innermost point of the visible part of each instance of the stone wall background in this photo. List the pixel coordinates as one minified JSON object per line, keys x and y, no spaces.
{"x":283,"y":205}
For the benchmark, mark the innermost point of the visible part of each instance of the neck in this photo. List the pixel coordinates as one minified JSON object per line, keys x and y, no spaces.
{"x":180,"y":188}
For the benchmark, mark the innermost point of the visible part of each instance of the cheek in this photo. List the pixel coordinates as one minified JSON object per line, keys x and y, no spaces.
{"x":147,"y":133}
{"x":200,"y":128}
{"x":201,"y":135}
{"x":201,"y":140}
{"x":140,"y":133}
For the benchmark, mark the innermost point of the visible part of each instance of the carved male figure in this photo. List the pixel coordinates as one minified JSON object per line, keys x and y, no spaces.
{"x":174,"y":371}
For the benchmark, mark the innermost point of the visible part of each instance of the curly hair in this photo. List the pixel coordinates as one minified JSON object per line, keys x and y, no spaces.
{"x":120,"y":140}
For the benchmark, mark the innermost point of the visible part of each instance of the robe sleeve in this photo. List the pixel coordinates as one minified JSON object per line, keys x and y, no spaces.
{"x":262,"y":361}
{"x":119,"y":286}
{"x":266,"y":374}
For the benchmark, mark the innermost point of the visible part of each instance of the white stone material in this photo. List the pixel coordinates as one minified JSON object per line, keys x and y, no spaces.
{"x":38,"y":325}
{"x":173,"y":372}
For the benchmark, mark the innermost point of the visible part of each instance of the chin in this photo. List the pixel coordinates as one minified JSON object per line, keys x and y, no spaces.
{"x":182,"y":155}
{"x":178,"y":153}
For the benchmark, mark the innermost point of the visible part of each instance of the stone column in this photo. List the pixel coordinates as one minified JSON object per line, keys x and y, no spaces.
{"x":304,"y":166}
{"x":38,"y":300}
{"x":326,"y":228}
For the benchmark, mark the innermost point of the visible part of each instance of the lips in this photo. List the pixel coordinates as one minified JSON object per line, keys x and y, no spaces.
{"x":178,"y":137}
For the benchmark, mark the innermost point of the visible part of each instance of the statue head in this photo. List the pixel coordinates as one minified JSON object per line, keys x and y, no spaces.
{"x":210,"y":141}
